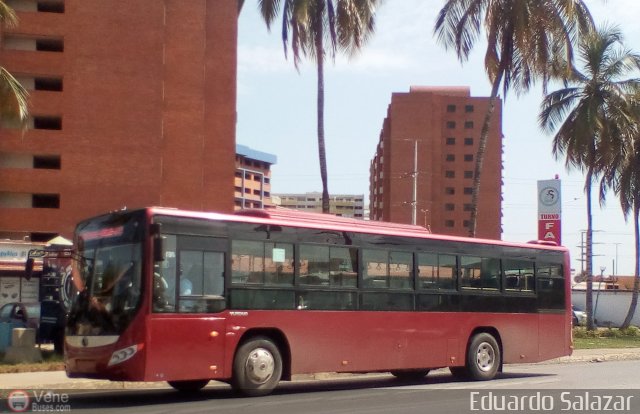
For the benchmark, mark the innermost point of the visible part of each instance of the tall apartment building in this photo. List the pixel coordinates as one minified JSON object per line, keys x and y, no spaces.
{"x":253,"y":178}
{"x":439,"y":127}
{"x":133,"y":103}
{"x":344,"y":205}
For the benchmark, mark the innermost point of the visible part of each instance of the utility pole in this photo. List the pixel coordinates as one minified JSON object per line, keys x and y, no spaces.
{"x":615,"y":267}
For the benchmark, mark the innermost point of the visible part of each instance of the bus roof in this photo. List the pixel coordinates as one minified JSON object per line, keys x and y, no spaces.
{"x":290,"y":217}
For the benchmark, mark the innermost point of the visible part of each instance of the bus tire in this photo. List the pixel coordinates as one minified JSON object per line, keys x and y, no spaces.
{"x":410,"y":374}
{"x":188,"y":386}
{"x":483,"y":357}
{"x":257,"y":367}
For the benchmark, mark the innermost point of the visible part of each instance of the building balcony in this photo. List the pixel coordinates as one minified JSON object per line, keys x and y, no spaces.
{"x":38,"y":23}
{"x":33,"y":140}
{"x":20,"y":62}
{"x":29,"y":180}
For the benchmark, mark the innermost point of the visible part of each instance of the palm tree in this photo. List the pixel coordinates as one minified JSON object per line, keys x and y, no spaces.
{"x":623,"y":177}
{"x":343,"y":24}
{"x":13,"y":97}
{"x":524,"y":39}
{"x":590,"y":117}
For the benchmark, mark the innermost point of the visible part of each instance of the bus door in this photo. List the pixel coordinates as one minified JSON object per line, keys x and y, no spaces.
{"x":186,"y":335}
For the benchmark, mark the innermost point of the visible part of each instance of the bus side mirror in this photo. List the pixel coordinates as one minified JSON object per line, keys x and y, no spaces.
{"x":28,"y":268}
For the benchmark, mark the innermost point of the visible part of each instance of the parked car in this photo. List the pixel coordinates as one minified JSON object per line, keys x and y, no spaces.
{"x":579,"y":316}
{"x":23,"y":315}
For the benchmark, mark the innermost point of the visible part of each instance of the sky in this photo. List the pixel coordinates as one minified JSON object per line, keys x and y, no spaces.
{"x":277,"y":114}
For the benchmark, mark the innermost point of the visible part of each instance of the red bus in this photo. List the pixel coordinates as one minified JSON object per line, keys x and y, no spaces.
{"x":255,"y":297}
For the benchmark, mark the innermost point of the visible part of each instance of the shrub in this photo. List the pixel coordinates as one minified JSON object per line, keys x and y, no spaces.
{"x":632,"y":331}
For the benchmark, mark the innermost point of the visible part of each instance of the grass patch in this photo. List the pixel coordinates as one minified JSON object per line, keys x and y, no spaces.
{"x":606,"y":338}
{"x":51,"y":362}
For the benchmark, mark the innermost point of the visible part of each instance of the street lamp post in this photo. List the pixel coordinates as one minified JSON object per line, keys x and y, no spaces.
{"x":414,"y":202}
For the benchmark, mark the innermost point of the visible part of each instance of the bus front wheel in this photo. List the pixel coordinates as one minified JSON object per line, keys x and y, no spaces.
{"x":257,"y":367}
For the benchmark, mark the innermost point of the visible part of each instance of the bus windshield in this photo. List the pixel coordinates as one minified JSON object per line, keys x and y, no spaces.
{"x":108,"y":270}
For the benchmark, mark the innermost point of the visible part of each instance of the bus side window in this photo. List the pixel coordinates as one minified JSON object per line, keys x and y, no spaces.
{"x":164,"y":278}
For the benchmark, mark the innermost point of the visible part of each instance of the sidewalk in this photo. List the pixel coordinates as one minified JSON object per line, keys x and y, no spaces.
{"x":59,"y":380}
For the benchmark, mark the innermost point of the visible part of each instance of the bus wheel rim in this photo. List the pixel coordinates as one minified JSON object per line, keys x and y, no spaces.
{"x":485,"y":357}
{"x":260,"y":366}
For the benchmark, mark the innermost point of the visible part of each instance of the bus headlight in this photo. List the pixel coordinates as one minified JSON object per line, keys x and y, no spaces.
{"x":122,"y":355}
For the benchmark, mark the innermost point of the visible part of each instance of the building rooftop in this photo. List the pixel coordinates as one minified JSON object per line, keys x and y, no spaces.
{"x":256,"y":155}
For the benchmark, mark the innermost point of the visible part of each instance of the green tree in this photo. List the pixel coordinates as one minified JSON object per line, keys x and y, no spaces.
{"x":590,"y":117}
{"x":13,"y":97}
{"x":524,"y":40}
{"x":312,"y":27}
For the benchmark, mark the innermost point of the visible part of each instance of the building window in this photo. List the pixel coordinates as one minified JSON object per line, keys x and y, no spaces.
{"x":449,"y":207}
{"x":451,"y":124}
{"x":466,"y":223}
{"x":451,"y":157}
{"x":449,"y":223}
{"x":51,"y":6}
{"x":468,"y":207}
{"x":468,"y":190}
{"x":48,"y":84}
{"x":50,"y":45}
{"x":468,"y":108}
{"x":45,"y":201}
{"x":449,"y":190}
{"x":468,"y":157}
{"x":46,"y":162}
{"x":47,"y":122}
{"x":451,"y":108}
{"x":468,"y":174}
{"x":468,"y":141}
{"x":468,"y":125}
{"x":450,"y":174}
{"x":451,"y":141}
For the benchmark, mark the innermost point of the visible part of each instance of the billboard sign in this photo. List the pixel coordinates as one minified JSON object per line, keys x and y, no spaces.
{"x":549,"y":211}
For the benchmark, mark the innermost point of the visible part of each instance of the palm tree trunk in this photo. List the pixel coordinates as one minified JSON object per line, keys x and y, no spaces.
{"x":322,"y":155}
{"x":482,"y":147}
{"x":636,"y":280}
{"x":589,"y":258}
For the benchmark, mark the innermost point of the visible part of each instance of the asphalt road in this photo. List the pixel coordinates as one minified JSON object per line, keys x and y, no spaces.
{"x":587,"y":387}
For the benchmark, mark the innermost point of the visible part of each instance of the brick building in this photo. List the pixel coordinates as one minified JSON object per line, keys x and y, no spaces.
{"x":133,"y":103}
{"x":444,"y":125}
{"x":253,"y":178}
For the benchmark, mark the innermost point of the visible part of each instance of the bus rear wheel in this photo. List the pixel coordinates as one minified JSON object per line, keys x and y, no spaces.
{"x":410,"y":374}
{"x":257,"y":367}
{"x":188,"y":386}
{"x":483,"y":359}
